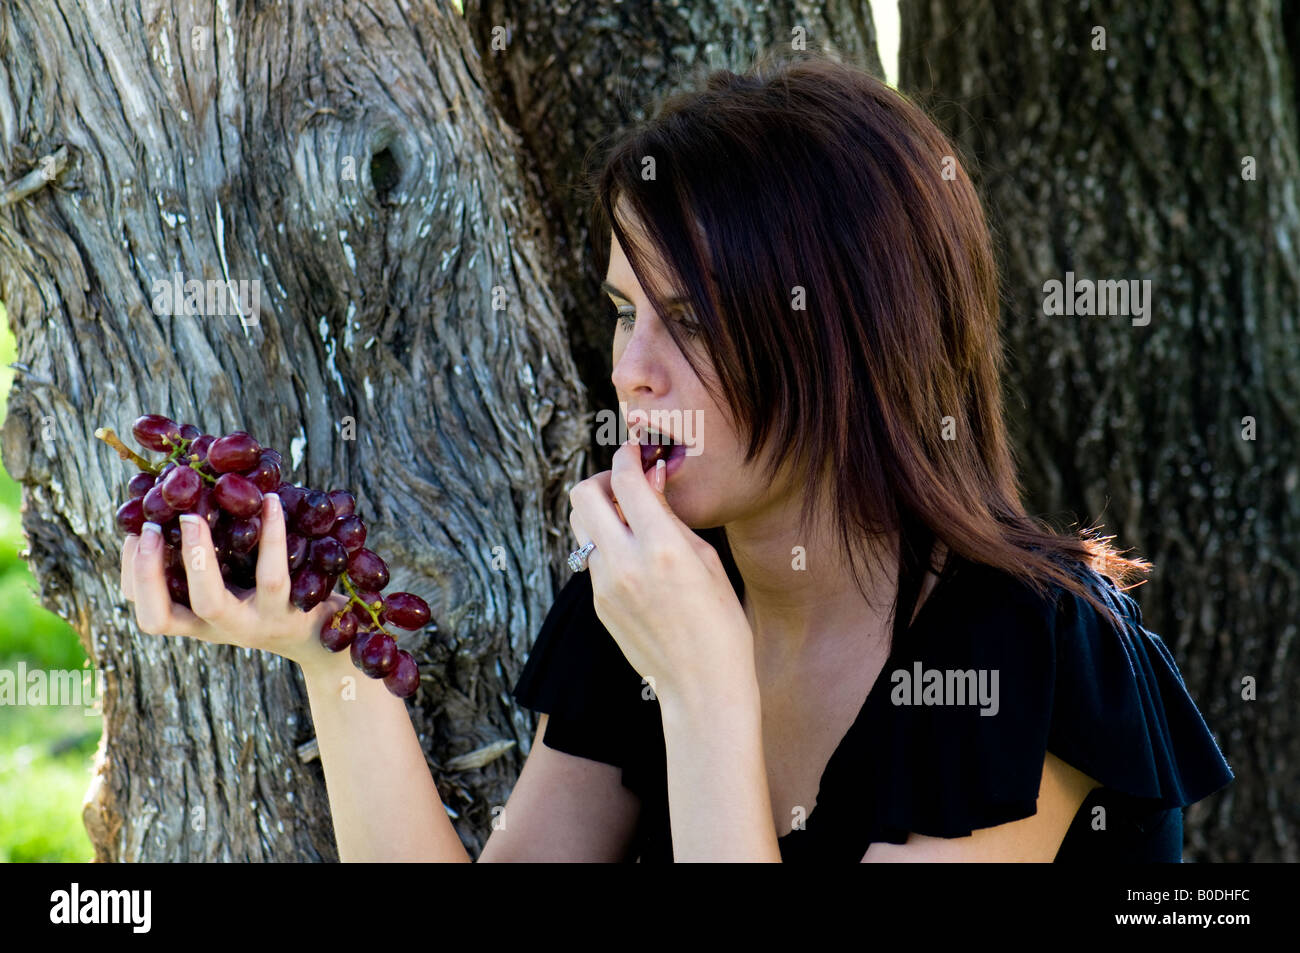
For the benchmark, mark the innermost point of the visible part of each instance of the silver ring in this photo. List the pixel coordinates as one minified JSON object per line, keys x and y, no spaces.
{"x":578,"y":558}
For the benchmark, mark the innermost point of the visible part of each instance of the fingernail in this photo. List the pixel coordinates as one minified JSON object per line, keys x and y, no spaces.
{"x":190,"y":528}
{"x":150,"y":537}
{"x":274,"y":499}
{"x":660,"y":474}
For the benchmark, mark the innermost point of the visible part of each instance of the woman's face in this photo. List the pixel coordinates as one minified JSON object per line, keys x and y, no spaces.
{"x":710,"y":485}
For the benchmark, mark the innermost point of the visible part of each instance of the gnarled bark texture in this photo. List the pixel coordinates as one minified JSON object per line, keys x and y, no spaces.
{"x":348,"y":157}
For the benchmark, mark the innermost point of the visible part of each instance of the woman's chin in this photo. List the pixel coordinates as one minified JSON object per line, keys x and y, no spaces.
{"x":692,"y":516}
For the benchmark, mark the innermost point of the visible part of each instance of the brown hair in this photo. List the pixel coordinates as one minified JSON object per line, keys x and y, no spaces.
{"x":806,"y":177}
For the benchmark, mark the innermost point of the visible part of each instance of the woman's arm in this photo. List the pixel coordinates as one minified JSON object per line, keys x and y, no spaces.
{"x":720,"y":809}
{"x":1033,"y":839}
{"x":382,"y":796}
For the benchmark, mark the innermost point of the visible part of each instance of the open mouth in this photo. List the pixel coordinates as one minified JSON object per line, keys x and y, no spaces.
{"x":656,"y":447}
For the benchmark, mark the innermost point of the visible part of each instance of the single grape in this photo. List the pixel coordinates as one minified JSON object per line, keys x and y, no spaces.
{"x":168,"y":467}
{"x":351,"y":532}
{"x":295,"y":547}
{"x":308,"y":587}
{"x":275,"y":455}
{"x":404,"y":679}
{"x":244,"y":534}
{"x":291,"y":498}
{"x":206,"y":509}
{"x":155,"y":507}
{"x":140,"y":484}
{"x":200,"y":446}
{"x":328,"y":555}
{"x":178,"y":587}
{"x":362,"y":637}
{"x":190,"y":432}
{"x":367,"y":570}
{"x":156,"y":432}
{"x":405,"y":610}
{"x":346,"y":623}
{"x":345,"y":504}
{"x":181,"y":488}
{"x":315,"y":514}
{"x":265,"y":475}
{"x":338,"y":634}
{"x":130,"y":517}
{"x":376,"y":655}
{"x":237,"y":496}
{"x":234,"y":452}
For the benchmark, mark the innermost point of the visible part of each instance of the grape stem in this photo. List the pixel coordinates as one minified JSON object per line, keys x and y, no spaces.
{"x":347,"y":584}
{"x":107,"y":435}
{"x":193,"y":464}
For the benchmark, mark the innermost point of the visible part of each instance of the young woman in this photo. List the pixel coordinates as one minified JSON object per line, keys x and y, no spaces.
{"x":824,"y":628}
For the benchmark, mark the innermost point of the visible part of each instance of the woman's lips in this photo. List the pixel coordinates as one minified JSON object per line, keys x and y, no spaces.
{"x":670,"y":452}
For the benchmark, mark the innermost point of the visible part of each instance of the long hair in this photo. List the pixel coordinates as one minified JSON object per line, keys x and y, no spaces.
{"x":838,"y":263}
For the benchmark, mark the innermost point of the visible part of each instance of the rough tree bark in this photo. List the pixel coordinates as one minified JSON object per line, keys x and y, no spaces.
{"x":1128,"y":162}
{"x":347,"y":157}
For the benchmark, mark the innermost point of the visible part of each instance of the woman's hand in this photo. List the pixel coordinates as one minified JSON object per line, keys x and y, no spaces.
{"x":260,"y":618}
{"x":659,"y":589}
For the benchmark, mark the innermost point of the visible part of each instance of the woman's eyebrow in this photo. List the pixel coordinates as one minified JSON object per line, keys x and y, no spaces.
{"x":611,"y":290}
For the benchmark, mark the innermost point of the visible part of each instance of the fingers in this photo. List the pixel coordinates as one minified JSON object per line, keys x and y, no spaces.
{"x":595,"y":511}
{"x":575,"y":527}
{"x":272,"y":572}
{"x":601,"y":480}
{"x":209,"y":597}
{"x":639,"y":501}
{"x":154,"y":611}
{"x":128,"y":562}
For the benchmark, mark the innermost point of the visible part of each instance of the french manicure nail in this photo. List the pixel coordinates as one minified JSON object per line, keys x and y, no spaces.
{"x":660,"y":475}
{"x":189,"y":528}
{"x":150,"y":537}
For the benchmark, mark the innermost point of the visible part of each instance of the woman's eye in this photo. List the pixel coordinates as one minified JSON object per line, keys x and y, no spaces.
{"x":627,"y":316}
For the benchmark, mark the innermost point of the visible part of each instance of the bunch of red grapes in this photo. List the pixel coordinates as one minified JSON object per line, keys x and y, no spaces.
{"x":222,"y":480}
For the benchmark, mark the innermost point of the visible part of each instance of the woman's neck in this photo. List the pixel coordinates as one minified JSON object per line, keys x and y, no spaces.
{"x":799,"y":592}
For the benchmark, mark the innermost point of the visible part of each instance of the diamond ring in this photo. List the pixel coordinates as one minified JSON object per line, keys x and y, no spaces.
{"x":578,"y":558}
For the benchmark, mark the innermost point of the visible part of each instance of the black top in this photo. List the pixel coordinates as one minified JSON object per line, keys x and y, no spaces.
{"x":1109,"y":701}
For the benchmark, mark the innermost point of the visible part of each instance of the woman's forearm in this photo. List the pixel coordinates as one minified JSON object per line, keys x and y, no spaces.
{"x":382,"y":797}
{"x":718,"y":803}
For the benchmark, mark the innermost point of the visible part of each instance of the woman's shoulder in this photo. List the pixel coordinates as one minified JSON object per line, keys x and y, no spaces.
{"x":1105,"y":689}
{"x":997,"y":675}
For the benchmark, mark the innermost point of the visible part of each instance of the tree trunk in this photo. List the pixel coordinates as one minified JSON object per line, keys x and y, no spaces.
{"x":407,"y":347}
{"x":1133,"y":162}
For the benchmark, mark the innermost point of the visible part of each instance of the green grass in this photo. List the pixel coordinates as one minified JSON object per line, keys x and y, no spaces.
{"x":45,"y":752}
{"x":42,"y":787}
